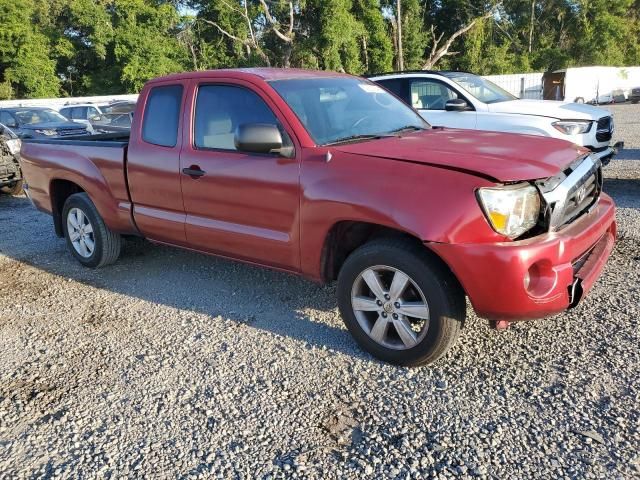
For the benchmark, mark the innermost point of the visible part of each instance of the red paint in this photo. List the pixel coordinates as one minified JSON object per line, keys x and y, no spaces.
{"x":277,"y":212}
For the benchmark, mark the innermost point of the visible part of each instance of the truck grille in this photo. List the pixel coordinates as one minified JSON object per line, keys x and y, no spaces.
{"x":72,"y":131}
{"x":604,"y":129}
{"x":572,"y":193}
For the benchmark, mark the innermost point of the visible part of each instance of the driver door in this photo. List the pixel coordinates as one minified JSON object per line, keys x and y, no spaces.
{"x":238,"y":204}
{"x":429,"y":97}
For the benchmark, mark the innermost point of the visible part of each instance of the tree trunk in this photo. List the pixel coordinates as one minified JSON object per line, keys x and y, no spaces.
{"x":533,"y":11}
{"x":399,"y":32}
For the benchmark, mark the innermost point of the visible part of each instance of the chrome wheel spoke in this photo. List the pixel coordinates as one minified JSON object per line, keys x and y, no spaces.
{"x":74,"y":235}
{"x":414,"y":309}
{"x":405,"y":332}
{"x":83,"y":248}
{"x":79,"y":218}
{"x":90,"y":244}
{"x":399,"y":283}
{"x":379,"y":330}
{"x":73,"y":220}
{"x":373,"y":282}
{"x":365,"y":304}
{"x":88,"y":228}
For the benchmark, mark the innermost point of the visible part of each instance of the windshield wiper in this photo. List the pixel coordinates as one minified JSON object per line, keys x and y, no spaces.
{"x":353,"y":138}
{"x":407,"y":127}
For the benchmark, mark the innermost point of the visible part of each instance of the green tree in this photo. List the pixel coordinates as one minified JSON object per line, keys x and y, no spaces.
{"x":26,"y":66}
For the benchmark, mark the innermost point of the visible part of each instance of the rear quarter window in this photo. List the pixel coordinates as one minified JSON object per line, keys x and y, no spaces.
{"x":161,"y":116}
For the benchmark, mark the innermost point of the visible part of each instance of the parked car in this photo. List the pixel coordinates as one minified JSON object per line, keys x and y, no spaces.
{"x":10,"y":174}
{"x":114,"y":116}
{"x":464,"y":100}
{"x":39,"y":122}
{"x":331,"y":177}
{"x":634,"y":96}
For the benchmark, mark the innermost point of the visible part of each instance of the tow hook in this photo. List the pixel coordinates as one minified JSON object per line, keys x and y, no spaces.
{"x":500,"y":324}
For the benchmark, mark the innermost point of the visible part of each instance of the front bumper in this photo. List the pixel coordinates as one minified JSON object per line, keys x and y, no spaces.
{"x":536,"y":277}
{"x":606,"y":154}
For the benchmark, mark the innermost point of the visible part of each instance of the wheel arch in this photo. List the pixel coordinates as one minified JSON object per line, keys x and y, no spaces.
{"x":59,"y":191}
{"x":346,"y":236}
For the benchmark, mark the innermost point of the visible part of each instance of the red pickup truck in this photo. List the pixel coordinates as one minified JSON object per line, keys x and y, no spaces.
{"x":332,"y":177}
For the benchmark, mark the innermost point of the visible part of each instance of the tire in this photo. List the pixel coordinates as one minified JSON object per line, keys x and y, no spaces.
{"x":429,"y":281}
{"x":579,"y":100}
{"x":635,"y":101}
{"x":15,"y":189}
{"x":106,"y":244}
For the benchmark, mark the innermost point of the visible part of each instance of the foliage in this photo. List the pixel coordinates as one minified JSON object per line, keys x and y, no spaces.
{"x":76,"y":47}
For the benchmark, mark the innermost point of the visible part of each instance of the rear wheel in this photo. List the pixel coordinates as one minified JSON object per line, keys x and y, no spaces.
{"x":89,"y":240}
{"x":400,"y":304}
{"x":15,"y":189}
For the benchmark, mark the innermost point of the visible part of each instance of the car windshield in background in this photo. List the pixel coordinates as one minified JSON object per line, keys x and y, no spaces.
{"x":342,"y":109}
{"x":39,"y":116}
{"x":483,"y":90}
{"x":121,"y":107}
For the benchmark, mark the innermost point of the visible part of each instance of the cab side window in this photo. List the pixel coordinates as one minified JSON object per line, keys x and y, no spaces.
{"x":79,"y":113}
{"x":220,"y":109}
{"x":162,"y":116}
{"x":430,"y":94}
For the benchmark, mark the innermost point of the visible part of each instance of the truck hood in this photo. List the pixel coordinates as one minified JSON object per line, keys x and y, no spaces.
{"x":502,"y":157}
{"x":550,"y":108}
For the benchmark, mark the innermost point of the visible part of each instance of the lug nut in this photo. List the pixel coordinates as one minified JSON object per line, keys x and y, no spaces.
{"x":379,"y":303}
{"x":397,"y":304}
{"x":386,"y":296}
{"x":384,"y":315}
{"x":395,"y":316}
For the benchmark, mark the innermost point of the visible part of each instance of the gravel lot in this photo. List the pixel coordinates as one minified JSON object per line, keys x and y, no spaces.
{"x":172,"y":364}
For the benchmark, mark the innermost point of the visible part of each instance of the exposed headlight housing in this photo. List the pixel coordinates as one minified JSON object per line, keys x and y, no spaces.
{"x":573,"y":127}
{"x":47,"y":132}
{"x":511,"y":209}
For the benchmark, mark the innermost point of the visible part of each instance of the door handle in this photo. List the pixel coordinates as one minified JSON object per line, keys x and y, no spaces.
{"x":193,"y":171}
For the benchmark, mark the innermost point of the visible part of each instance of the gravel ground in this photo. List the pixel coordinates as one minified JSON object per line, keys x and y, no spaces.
{"x":172,"y":364}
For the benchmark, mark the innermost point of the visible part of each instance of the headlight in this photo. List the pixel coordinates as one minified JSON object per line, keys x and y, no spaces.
{"x":572,"y":127}
{"x":511,"y":210}
{"x":47,"y":132}
{"x":14,"y":145}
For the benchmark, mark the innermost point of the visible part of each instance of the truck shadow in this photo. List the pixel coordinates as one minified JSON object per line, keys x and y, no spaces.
{"x":275,"y":302}
{"x":624,"y":191}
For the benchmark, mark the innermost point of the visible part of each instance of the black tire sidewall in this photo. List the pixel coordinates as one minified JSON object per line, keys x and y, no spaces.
{"x":428,"y":277}
{"x":81,"y":201}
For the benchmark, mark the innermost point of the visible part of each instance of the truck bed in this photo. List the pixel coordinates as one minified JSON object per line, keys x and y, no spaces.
{"x":95,"y":164}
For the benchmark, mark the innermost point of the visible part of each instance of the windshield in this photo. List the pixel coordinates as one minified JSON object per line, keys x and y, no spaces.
{"x":483,"y":90}
{"x":123,"y":107}
{"x":39,"y":116}
{"x":342,"y":109}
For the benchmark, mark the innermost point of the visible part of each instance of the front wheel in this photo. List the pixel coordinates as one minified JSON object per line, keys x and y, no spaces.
{"x":399,"y":303}
{"x":89,"y":240}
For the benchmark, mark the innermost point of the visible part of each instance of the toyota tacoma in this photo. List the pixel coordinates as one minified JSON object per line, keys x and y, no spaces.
{"x":331,"y":177}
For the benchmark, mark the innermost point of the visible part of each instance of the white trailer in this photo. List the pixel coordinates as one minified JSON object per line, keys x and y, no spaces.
{"x":58,"y":103}
{"x":595,"y":85}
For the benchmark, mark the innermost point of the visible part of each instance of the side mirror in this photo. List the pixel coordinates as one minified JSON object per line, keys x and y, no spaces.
{"x":456,"y":105}
{"x":258,"y":138}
